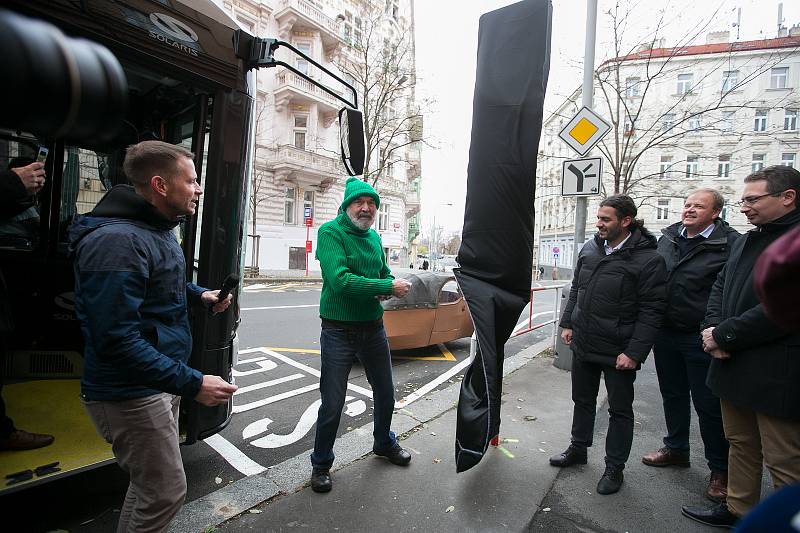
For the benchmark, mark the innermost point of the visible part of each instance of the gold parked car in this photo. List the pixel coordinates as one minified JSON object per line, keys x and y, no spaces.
{"x":434,"y":311}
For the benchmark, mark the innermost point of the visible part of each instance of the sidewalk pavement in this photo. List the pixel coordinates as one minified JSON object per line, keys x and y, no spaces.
{"x":512,"y":489}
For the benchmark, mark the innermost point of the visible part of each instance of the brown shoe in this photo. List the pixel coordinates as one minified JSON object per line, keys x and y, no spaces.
{"x":718,"y":487}
{"x":666,"y":457}
{"x":24,"y":440}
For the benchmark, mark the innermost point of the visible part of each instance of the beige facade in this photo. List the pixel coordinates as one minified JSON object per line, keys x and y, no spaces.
{"x":296,"y":159}
{"x":715,"y":113}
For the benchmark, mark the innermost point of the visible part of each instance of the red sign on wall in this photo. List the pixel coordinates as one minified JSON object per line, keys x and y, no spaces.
{"x":308,"y":246}
{"x":309,"y":222}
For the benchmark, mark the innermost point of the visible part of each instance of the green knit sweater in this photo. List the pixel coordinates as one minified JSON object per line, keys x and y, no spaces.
{"x":354,"y":271}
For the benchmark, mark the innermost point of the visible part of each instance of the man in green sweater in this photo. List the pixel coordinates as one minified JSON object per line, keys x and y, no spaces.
{"x":355,"y":279}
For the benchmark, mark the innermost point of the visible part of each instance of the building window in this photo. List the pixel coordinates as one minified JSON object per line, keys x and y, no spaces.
{"x":383,"y":216}
{"x":668,"y":121}
{"x":288,"y":206}
{"x":790,"y":120}
{"x":779,"y":77}
{"x":632,"y":87}
{"x":724,"y":166}
{"x":758,"y":162}
{"x":300,"y":63}
{"x":729,"y":80}
{"x":300,"y":128}
{"x":308,"y":203}
{"x":787,"y":160}
{"x":665,"y":166}
{"x":662,"y":210}
{"x":726,"y":124}
{"x":760,"y":123}
{"x":692,"y":167}
{"x":685,"y":83}
{"x":695,"y":122}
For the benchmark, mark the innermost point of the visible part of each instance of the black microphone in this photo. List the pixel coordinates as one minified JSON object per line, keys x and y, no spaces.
{"x":230,"y":283}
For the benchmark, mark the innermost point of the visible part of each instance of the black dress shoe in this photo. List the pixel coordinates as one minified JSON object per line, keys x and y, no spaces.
{"x":611,"y":480}
{"x":572,"y":456}
{"x":321,"y":480}
{"x":396,"y":455}
{"x":717,"y":516}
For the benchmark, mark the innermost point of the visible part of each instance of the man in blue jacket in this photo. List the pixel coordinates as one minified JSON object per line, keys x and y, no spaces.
{"x":131,"y":299}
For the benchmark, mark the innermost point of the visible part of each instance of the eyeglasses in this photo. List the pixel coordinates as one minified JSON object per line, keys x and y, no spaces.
{"x":751,"y":200}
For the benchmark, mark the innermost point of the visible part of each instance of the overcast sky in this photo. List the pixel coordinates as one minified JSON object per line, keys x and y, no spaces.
{"x":446,"y":45}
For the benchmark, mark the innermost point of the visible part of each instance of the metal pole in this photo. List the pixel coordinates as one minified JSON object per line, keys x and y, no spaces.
{"x":308,"y":229}
{"x":587,"y":90}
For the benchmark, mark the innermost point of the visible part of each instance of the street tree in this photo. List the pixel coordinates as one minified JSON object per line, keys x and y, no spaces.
{"x":658,"y":97}
{"x":380,"y":65}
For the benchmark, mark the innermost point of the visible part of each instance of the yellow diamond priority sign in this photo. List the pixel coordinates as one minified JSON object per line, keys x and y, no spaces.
{"x":584,"y":130}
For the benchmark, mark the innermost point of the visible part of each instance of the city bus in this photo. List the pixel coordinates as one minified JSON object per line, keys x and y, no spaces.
{"x":189,"y":73}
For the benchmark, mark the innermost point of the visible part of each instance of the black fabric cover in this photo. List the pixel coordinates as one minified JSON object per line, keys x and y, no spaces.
{"x":496,"y":253}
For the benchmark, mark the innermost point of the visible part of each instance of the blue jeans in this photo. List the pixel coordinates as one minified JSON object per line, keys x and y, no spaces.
{"x":340,"y":347}
{"x":682,"y":367}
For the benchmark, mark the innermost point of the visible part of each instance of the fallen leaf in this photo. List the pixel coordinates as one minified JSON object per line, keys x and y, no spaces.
{"x":217,"y":480}
{"x":546,"y":509}
{"x":433,"y":433}
{"x":255,"y":511}
{"x":541,"y":450}
{"x":450,"y":509}
{"x":529,"y":418}
{"x":437,"y":460}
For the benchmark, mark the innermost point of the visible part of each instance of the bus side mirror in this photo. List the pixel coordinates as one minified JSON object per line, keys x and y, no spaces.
{"x":351,"y":133}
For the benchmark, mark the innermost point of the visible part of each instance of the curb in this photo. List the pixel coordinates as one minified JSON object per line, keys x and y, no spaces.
{"x":293,"y":474}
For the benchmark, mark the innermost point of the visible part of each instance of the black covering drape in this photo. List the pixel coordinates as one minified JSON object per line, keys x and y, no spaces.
{"x":497,"y":241}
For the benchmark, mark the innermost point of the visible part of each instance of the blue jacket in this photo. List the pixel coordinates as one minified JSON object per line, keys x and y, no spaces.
{"x":130,"y":298}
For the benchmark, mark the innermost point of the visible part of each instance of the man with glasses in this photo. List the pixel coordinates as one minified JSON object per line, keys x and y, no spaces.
{"x":755,"y":367}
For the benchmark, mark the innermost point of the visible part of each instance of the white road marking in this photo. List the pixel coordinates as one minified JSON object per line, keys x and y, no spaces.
{"x":278,"y":307}
{"x":263,"y":364}
{"x":235,"y":457}
{"x":257,"y":386}
{"x":314,"y":371}
{"x":272,"y":399}
{"x":420,"y":392}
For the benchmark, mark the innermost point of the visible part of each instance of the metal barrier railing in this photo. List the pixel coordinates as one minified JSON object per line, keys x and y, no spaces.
{"x":556,"y":312}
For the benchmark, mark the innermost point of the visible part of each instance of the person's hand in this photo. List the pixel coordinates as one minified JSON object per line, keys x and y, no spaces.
{"x":400,"y":287}
{"x":382,"y":297}
{"x":709,"y":344}
{"x":31,"y":176}
{"x":566,"y":335}
{"x":215,"y":391}
{"x":625,"y":363}
{"x":719,"y":353}
{"x":211,"y":299}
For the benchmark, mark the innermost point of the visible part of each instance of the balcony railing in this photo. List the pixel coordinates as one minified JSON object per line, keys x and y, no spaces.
{"x":288,"y":80}
{"x":288,"y":155}
{"x":309,"y":11}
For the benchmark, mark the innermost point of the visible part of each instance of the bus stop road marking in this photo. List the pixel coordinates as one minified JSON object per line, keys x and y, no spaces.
{"x":446,"y":355}
{"x":233,"y":455}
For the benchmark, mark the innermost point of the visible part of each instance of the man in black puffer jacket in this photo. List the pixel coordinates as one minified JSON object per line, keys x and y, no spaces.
{"x":611,"y":320}
{"x":695,"y":250}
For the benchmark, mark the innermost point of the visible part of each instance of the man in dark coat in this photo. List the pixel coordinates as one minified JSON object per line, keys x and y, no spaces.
{"x":611,"y":320}
{"x":695,"y":250}
{"x":756,"y":366}
{"x":18,"y":184}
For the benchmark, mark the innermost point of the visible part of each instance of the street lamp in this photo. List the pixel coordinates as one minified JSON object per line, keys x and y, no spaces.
{"x":435,"y":237}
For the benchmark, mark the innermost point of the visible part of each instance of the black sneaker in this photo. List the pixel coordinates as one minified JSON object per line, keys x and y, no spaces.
{"x":396,"y":455}
{"x":611,"y":480}
{"x":321,"y":480}
{"x":717,"y":516}
{"x":572,"y":456}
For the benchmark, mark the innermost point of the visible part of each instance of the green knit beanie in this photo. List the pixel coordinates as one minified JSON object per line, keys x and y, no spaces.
{"x":355,"y":187}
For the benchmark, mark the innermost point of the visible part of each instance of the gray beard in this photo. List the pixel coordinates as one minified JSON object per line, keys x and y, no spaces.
{"x":361,"y":223}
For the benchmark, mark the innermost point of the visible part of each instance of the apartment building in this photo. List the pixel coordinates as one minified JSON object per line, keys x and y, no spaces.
{"x":683,"y":118}
{"x":296,"y":161}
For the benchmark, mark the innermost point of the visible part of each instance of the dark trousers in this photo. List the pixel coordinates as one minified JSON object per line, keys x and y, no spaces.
{"x":6,"y":424}
{"x":619,"y":385}
{"x":340,"y":347}
{"x":682,"y":367}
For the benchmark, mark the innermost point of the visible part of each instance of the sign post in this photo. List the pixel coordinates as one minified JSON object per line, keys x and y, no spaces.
{"x":308,"y":221}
